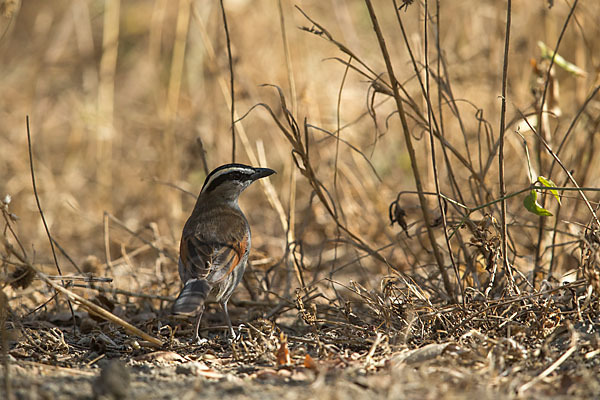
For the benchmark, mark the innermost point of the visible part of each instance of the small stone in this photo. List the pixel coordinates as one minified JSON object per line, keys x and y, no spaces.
{"x":161,"y":356}
{"x":194,"y":368}
{"x":87,"y":325}
{"x":113,"y":382}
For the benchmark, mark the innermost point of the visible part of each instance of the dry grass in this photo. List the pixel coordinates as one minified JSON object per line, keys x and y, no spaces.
{"x":127,"y":100}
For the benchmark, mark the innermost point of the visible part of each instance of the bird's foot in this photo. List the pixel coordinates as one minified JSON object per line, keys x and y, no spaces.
{"x":236,"y":336}
{"x":198,"y":341}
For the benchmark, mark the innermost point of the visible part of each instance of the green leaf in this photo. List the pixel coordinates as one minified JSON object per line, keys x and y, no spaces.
{"x":548,"y":183}
{"x":531,"y":204}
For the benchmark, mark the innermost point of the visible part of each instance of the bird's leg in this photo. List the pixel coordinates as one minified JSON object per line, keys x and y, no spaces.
{"x":231,"y":331}
{"x":196,"y":338}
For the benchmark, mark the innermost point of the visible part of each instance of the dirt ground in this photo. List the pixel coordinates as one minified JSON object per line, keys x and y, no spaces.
{"x":106,"y":363}
{"x":444,"y":378}
{"x":186,"y":381}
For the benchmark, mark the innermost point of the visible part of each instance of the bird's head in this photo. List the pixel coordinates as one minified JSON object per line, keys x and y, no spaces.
{"x":229,"y":181}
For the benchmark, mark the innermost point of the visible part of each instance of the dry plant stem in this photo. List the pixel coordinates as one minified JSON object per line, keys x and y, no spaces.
{"x":542,"y":127}
{"x":156,"y":32}
{"x":384,"y":87}
{"x":300,"y":154}
{"x":107,"y":243}
{"x":506,"y":197}
{"x":574,"y":338}
{"x":342,"y":47}
{"x":411,"y":151}
{"x":518,"y":298}
{"x":4,"y":343}
{"x":288,"y":58}
{"x":291,"y":215}
{"x":438,"y":131}
{"x":267,"y":186}
{"x":337,"y":133}
{"x":41,"y":305}
{"x":202,"y":157}
{"x":14,"y":235}
{"x":171,"y":165}
{"x":79,"y":278}
{"x":555,"y":233}
{"x":106,"y":94}
{"x":39,"y":206}
{"x":541,"y":228}
{"x":503,"y":223}
{"x":378,"y":85}
{"x":111,"y":217}
{"x":99,"y":311}
{"x":231,"y":80}
{"x":555,"y":52}
{"x":177,"y":61}
{"x":336,"y":136}
{"x":291,"y":234}
{"x":336,"y":159}
{"x":67,"y":256}
{"x":446,"y":90}
{"x":88,"y":305}
{"x":433,"y":160}
{"x":376,"y":342}
{"x":125,"y":292}
{"x":455,"y":186}
{"x":290,"y":228}
{"x":352,"y":262}
{"x":174,"y":186}
{"x":572,"y":125}
{"x":565,"y":170}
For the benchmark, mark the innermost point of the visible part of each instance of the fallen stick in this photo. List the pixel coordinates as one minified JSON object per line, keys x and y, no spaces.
{"x":85,"y":303}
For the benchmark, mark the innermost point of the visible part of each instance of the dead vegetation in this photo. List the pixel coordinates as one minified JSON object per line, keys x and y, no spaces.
{"x":480,"y":145}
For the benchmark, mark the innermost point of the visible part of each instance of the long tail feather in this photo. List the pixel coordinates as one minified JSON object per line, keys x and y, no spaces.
{"x":192,"y":297}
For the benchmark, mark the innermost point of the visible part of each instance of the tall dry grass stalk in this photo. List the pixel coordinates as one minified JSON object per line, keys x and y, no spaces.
{"x":106,"y":134}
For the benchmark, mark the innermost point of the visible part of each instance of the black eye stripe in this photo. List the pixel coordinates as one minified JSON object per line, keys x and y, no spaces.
{"x":226,"y":172}
{"x":231,"y":176}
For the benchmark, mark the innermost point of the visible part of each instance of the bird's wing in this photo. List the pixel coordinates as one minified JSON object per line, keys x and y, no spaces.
{"x":210,"y":259}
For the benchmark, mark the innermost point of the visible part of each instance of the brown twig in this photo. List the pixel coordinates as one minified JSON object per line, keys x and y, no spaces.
{"x":125,"y":292}
{"x":572,"y":348}
{"x":301,"y":157}
{"x":79,"y":278}
{"x":436,"y":178}
{"x":111,"y":217}
{"x":4,"y":342}
{"x":39,"y":206}
{"x":411,"y":152}
{"x":88,"y":305}
{"x":503,"y":223}
{"x":231,"y":80}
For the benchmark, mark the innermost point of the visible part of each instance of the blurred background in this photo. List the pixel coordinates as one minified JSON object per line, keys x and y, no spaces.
{"x":127,"y":98}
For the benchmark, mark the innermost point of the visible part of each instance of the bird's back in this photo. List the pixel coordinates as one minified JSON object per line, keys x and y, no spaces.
{"x":209,"y":252}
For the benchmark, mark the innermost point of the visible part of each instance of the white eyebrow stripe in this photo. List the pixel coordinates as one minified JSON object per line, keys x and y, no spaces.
{"x":227,"y":171}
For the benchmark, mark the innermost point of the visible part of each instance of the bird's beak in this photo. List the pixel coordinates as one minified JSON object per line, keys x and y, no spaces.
{"x":262,"y":172}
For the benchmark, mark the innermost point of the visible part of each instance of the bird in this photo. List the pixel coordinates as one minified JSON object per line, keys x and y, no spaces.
{"x":215,"y":242}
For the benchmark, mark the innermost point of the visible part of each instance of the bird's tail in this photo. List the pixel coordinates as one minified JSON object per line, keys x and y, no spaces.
{"x":192,"y":297}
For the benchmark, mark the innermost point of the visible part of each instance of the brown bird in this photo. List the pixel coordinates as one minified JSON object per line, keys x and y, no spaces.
{"x":215,"y":242}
